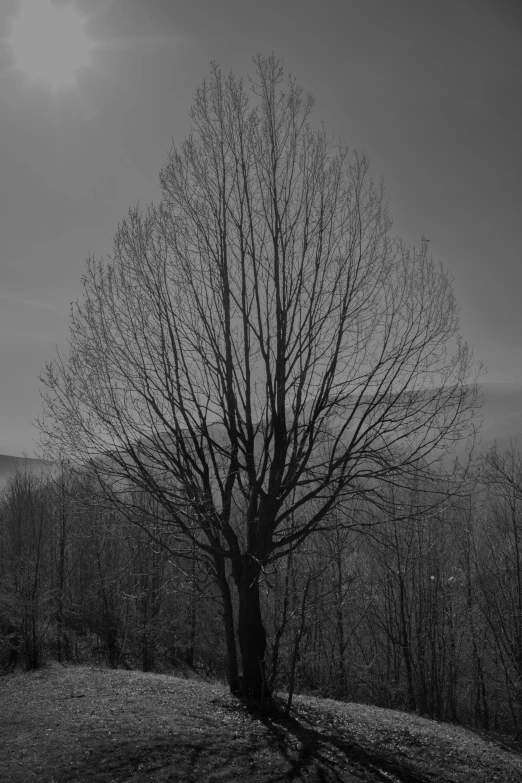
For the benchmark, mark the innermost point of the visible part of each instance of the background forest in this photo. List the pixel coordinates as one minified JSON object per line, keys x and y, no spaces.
{"x":423,"y":613}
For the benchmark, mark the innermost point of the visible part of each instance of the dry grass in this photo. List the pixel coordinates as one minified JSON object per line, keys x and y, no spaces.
{"x":83,"y":724}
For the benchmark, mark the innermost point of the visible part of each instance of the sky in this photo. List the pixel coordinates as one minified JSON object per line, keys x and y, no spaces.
{"x":432,"y":92}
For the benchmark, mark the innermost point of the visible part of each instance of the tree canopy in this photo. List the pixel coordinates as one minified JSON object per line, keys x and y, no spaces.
{"x":258,"y":348}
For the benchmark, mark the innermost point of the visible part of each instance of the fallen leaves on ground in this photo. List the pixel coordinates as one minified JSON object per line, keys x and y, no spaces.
{"x":65,"y":724}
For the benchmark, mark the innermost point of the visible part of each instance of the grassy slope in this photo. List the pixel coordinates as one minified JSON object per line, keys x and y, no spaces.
{"x":82,"y":724}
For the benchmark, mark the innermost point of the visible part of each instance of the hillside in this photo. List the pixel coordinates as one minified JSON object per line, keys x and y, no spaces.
{"x":502,"y":413}
{"x":9,"y":465}
{"x":69,"y":724}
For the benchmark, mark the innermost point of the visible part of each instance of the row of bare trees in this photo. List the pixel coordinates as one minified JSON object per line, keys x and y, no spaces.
{"x":416,"y":611}
{"x":77,"y":583}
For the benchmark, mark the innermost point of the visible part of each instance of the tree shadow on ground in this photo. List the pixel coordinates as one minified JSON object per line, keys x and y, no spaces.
{"x":328,"y":751}
{"x":267,"y":747}
{"x":287,"y":750}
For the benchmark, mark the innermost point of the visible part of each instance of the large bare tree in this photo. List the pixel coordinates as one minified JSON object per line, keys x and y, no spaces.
{"x":258,"y":348}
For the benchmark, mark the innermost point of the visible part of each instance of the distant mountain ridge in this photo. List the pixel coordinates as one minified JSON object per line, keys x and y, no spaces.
{"x":10,"y":465}
{"x":501,"y":413}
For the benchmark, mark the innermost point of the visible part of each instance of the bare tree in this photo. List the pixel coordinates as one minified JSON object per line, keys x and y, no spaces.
{"x":258,"y":349}
{"x":26,"y":584}
{"x":499,"y":583}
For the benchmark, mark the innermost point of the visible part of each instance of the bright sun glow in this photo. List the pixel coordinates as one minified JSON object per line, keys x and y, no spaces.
{"x":49,"y":42}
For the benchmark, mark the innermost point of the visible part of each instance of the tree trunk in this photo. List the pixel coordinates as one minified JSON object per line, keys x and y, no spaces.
{"x":295,"y":652}
{"x":61,"y":573}
{"x":280,"y":629}
{"x":405,"y":644}
{"x":228,"y":624}
{"x":190,"y":647}
{"x":341,"y":675}
{"x":251,"y":631}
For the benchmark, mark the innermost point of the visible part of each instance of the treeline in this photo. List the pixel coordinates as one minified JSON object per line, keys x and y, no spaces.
{"x":401,"y":608}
